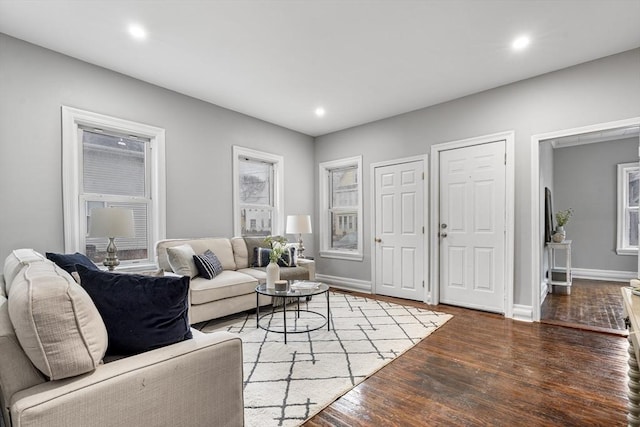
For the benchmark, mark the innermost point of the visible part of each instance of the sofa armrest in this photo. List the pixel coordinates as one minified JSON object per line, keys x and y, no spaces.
{"x":197,"y":382}
{"x":310,"y":265}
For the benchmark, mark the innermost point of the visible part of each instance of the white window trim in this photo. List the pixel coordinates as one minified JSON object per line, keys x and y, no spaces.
{"x":72,"y":119}
{"x":278,"y":187}
{"x":622,"y":247}
{"x":324,"y":220}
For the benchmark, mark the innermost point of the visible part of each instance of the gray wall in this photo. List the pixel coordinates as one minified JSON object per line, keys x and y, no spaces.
{"x":585,"y":179}
{"x":35,"y":82}
{"x":599,"y":91}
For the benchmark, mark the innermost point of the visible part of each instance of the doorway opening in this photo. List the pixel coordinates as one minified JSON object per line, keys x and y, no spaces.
{"x":578,"y":167}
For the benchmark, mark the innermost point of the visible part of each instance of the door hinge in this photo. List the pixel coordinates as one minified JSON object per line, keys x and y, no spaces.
{"x":423,"y":283}
{"x":423,"y":229}
{"x":423,"y":176}
{"x":505,"y":158}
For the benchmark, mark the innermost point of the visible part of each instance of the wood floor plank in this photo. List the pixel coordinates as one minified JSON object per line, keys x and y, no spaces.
{"x":593,"y":304}
{"x":481,"y":369}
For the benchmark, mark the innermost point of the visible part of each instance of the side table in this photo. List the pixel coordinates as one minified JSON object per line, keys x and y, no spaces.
{"x":560,"y":276}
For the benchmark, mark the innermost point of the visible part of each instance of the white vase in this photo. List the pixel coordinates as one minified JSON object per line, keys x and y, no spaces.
{"x":559,"y":235}
{"x":273,"y":274}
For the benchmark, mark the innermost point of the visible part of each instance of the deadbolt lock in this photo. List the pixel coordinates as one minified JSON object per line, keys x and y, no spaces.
{"x":443,"y":226}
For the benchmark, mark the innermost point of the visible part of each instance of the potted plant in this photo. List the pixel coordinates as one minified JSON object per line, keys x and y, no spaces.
{"x":562,"y":218}
{"x":277,"y":244}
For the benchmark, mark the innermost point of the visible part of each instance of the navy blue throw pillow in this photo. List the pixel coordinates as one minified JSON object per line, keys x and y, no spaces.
{"x":68,"y":261}
{"x":261,"y":257}
{"x":208,"y":264}
{"x":140,"y":312}
{"x":288,"y":257}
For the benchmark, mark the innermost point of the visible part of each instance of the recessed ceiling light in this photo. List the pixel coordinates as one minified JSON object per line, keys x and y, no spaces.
{"x":137,"y":32}
{"x":520,"y":42}
{"x":320,"y":111}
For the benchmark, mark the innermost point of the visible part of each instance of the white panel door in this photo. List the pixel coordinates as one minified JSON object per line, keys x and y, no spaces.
{"x":472,"y":226}
{"x":399,"y":221}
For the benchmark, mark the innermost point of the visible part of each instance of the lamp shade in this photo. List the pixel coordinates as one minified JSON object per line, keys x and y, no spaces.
{"x":299,"y":224}
{"x":111,"y":222}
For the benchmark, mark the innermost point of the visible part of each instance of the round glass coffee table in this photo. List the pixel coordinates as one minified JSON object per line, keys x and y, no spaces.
{"x":298,"y":290}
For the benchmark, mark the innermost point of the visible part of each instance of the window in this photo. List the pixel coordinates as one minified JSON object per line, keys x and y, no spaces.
{"x":341,"y":209}
{"x":112,"y":162}
{"x":258,"y":189}
{"x":628,"y":196}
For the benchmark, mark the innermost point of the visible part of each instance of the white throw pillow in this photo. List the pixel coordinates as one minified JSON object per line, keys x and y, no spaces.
{"x":181,"y":260}
{"x":56,"y":322}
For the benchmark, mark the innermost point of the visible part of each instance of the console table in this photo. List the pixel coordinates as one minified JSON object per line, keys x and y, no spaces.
{"x":632,"y":319}
{"x":557,"y":275}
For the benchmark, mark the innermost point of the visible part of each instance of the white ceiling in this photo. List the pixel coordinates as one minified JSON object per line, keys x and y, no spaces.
{"x":361,"y":60}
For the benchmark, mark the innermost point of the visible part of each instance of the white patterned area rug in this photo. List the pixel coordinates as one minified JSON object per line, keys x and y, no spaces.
{"x":285,"y":384}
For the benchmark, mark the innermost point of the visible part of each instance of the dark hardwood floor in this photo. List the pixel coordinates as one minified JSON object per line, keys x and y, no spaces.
{"x":481,"y":369}
{"x":593,"y":304}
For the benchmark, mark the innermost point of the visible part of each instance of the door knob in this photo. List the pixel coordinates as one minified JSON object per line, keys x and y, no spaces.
{"x":443,"y":234}
{"x":377,"y":240}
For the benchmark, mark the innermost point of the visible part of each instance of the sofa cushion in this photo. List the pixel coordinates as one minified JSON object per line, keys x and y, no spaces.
{"x":68,"y":261}
{"x":57,"y":324}
{"x":227,"y":284}
{"x":140,"y":312}
{"x":208,"y":264}
{"x":16,"y":370}
{"x":240,"y":254}
{"x":219,"y":246}
{"x":181,"y":260}
{"x":16,"y":260}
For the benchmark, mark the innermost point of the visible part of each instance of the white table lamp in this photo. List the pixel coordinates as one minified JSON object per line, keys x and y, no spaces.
{"x":111,"y":223}
{"x":299,"y":224}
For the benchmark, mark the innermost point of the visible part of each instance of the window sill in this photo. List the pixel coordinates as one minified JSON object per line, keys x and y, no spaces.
{"x":342,"y":255}
{"x":132,"y":268}
{"x":627,"y":251}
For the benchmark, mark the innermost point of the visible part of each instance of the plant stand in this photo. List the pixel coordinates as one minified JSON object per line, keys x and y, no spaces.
{"x":560,"y":276}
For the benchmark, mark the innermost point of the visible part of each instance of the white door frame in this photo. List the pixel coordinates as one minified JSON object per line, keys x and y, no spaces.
{"x":372,"y":171}
{"x":537,"y":203}
{"x":433,"y":291}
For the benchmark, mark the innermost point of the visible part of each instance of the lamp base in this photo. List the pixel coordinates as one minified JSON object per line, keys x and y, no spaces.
{"x":111,"y":261}
{"x":300,"y":246}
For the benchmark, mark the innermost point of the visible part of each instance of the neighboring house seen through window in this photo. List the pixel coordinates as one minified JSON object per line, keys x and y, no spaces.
{"x":628,"y":198}
{"x":110,"y":162}
{"x":341,"y":209}
{"x":257,"y":192}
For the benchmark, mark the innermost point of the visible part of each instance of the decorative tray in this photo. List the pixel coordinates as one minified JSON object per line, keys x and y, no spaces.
{"x":305,"y":285}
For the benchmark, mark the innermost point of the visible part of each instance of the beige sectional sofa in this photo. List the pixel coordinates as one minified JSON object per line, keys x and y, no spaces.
{"x":233,"y":290}
{"x":53,"y":372}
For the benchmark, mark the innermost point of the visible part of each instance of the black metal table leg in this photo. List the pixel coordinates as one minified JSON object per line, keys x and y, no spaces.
{"x":328,"y":313}
{"x":284,"y":305}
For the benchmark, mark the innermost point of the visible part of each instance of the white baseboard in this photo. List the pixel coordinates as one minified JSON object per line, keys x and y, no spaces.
{"x":544,"y":291}
{"x":345,"y":283}
{"x":524,"y":313}
{"x":611,"y":275}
